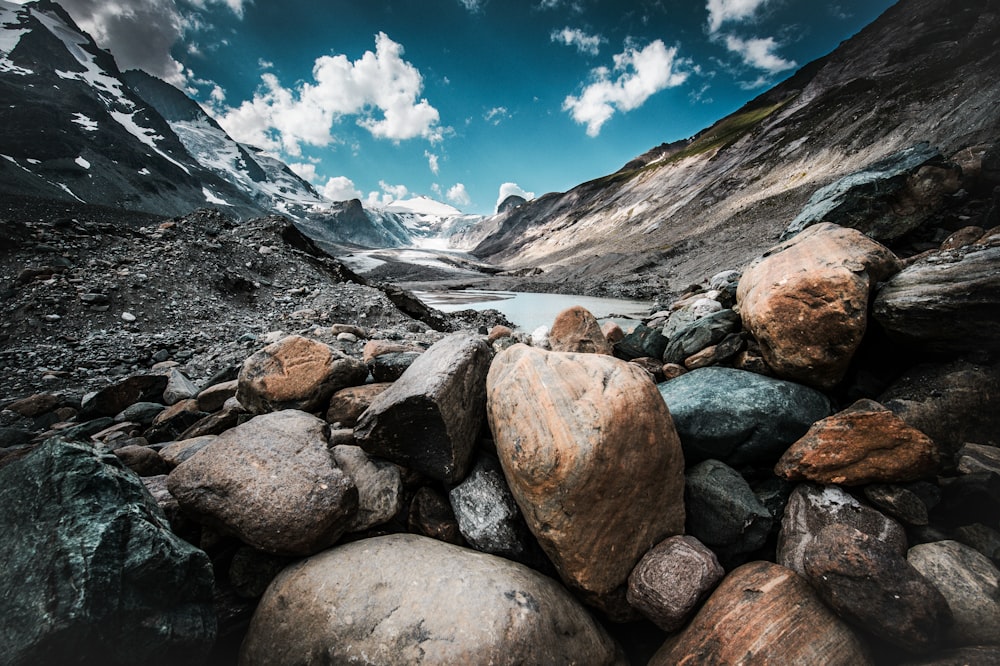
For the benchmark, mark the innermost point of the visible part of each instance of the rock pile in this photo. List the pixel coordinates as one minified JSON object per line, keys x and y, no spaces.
{"x":806,"y":487}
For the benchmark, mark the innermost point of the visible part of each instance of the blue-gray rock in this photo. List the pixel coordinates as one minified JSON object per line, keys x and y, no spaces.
{"x":113,"y":399}
{"x":722,"y":511}
{"x":142,"y":413}
{"x":92,"y":572}
{"x":739,"y":417}
{"x":642,"y":342}
{"x":701,"y":333}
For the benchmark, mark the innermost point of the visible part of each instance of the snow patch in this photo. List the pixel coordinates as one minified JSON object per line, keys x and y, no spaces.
{"x":32,"y":160}
{"x":9,"y":38}
{"x":144,"y":171}
{"x":82,"y":162}
{"x":213,"y":198}
{"x":86,"y":123}
{"x":145,"y":135}
{"x":63,"y":187}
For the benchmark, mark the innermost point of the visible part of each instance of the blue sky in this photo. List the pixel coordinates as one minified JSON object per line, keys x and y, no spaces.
{"x":467,"y":100}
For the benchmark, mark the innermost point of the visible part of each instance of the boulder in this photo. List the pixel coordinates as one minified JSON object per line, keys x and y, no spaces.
{"x":806,"y":301}
{"x":723,"y":512}
{"x":612,"y":332}
{"x":812,"y":508}
{"x":390,"y":366}
{"x":869,"y":584}
{"x":672,"y":579}
{"x":715,"y":354}
{"x":702,"y":333}
{"x":113,"y":399}
{"x":970,"y":584}
{"x":177,"y":452}
{"x":143,"y":460}
{"x":211,"y":398}
{"x":592,"y":458}
{"x":763,"y":613}
{"x":907,"y":504}
{"x":405,"y":599}
{"x":295,"y":373}
{"x":946,"y":302}
{"x":270,"y":482}
{"x":35,"y":405}
{"x":642,"y":342}
{"x":347,"y":404}
{"x":379,"y":484}
{"x":179,"y":387}
{"x":429,"y":419}
{"x":865,"y":443}
{"x":92,"y":572}
{"x":575,"y":329}
{"x":431,"y":515}
{"x":739,"y":417}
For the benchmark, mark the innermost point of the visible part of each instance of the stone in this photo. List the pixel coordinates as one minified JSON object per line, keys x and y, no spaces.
{"x":211,"y":398}
{"x":763,"y":613}
{"x":92,"y":572}
{"x":811,"y":508}
{"x":405,"y":599}
{"x":672,"y":579}
{"x":642,"y":342}
{"x":429,"y":419}
{"x":899,"y":502}
{"x":179,"y":387}
{"x":499,"y":331}
{"x":177,"y":452}
{"x":688,"y":313}
{"x":379,"y":484}
{"x":978,"y":458}
{"x":970,"y":584}
{"x":142,"y":460}
{"x":707,"y":331}
{"x":295,"y":373}
{"x":672,"y":371}
{"x":947,"y":302}
{"x":592,"y":459}
{"x":390,"y":366}
{"x":169,"y":423}
{"x":214,"y":424}
{"x":806,"y":301}
{"x":652,"y":366}
{"x":723,"y":512}
{"x":142,"y":413}
{"x":347,"y":404}
{"x":271,"y":483}
{"x":375,"y":348}
{"x":251,"y":571}
{"x":350,"y":329}
{"x":487,"y":513}
{"x":962,"y":237}
{"x":35,"y":405}
{"x":432,"y":515}
{"x":865,"y":443}
{"x":869,"y":584}
{"x":715,"y":354}
{"x":113,"y":399}
{"x":575,"y":329}
{"x":612,"y":332}
{"x":739,"y":417}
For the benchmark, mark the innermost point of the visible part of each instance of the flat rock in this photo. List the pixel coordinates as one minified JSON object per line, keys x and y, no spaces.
{"x":865,"y":443}
{"x":806,"y":301}
{"x":272,"y":483}
{"x":575,"y":329}
{"x":763,"y":613}
{"x":592,"y":458}
{"x":405,"y":599}
{"x":739,"y":417}
{"x":347,"y":404}
{"x":429,"y":419}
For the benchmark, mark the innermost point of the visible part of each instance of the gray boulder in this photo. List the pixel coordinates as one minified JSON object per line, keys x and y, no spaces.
{"x":700,"y":334}
{"x":739,"y":417}
{"x":92,"y":573}
{"x":642,"y":342}
{"x":379,"y":484}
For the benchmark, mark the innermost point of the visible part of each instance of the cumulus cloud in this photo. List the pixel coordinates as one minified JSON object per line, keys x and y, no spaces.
{"x":496,"y":115}
{"x":759,"y":53}
{"x":380,"y":88}
{"x":341,"y":188}
{"x":474,"y":6}
{"x":584,"y":43}
{"x":511,"y":189}
{"x":730,"y":11}
{"x":637,"y":75}
{"x":394,"y":191}
{"x":458,"y":195}
{"x":305,"y":170}
{"x":432,"y":162}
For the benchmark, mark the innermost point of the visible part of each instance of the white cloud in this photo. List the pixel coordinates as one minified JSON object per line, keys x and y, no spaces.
{"x":380,"y":88}
{"x":458,"y":195}
{"x":394,"y":191}
{"x":432,"y":162}
{"x":728,"y":11}
{"x":639,"y":75}
{"x":496,"y":115}
{"x":511,"y":189}
{"x":474,"y":6}
{"x":340,"y":188}
{"x":759,"y":53}
{"x":584,"y":43}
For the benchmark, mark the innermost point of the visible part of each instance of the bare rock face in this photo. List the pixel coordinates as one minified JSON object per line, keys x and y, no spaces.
{"x":863,"y":444}
{"x":763,"y":613}
{"x":671,"y":579}
{"x":428,"y":420}
{"x":592,"y":458}
{"x":295,"y":373}
{"x":405,"y":599}
{"x":575,"y":329}
{"x":272,"y":483}
{"x":806,"y":301}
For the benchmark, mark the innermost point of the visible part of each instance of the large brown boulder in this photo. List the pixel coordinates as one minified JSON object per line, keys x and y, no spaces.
{"x":429,"y":419}
{"x":405,"y":599}
{"x":806,"y":301}
{"x":272,"y":483}
{"x":763,"y":613}
{"x":866,"y":443}
{"x":592,"y":458}
{"x":296,"y":373}
{"x":575,"y":329}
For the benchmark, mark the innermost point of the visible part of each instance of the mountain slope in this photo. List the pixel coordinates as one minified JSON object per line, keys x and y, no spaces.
{"x":927,"y":70}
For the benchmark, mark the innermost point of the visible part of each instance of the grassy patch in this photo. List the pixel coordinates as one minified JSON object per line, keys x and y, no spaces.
{"x":726,"y":132}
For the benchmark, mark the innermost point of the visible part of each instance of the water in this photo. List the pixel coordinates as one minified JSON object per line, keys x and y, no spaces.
{"x":530,"y":310}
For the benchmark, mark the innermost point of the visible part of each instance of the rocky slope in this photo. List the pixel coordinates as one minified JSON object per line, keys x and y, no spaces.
{"x":926,"y":71}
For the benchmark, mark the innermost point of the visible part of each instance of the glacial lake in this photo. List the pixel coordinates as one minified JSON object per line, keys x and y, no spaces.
{"x":530,"y":310}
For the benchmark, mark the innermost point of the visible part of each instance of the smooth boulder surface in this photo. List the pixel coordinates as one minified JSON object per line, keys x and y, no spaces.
{"x":763,"y":613}
{"x":592,"y":458}
{"x":405,"y":599}
{"x":379,"y":484}
{"x":429,"y":419}
{"x":806,"y":301}
{"x":739,"y":417}
{"x":93,"y":574}
{"x":575,"y":329}
{"x":272,"y":483}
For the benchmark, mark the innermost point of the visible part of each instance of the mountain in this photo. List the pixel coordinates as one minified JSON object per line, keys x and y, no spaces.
{"x":925,"y":71}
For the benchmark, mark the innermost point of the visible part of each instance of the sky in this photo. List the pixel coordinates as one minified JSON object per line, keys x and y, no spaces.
{"x":467,"y":101}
